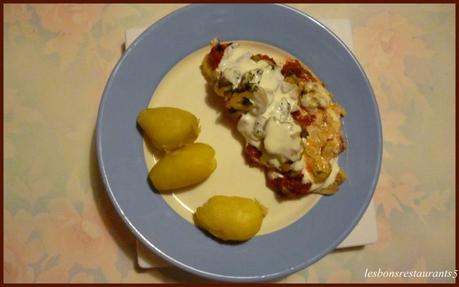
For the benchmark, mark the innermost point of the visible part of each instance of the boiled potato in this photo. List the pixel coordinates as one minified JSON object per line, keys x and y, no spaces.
{"x":183,"y":167}
{"x":169,"y":128}
{"x":231,"y":218}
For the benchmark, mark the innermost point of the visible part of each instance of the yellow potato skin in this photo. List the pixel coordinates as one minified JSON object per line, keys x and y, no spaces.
{"x":184,"y":167}
{"x":230,"y":218}
{"x":169,"y":128}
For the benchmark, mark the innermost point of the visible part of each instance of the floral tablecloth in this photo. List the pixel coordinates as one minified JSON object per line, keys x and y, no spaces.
{"x":58,"y":223}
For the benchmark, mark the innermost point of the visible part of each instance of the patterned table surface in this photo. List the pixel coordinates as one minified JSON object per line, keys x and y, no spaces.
{"x":58,"y":223}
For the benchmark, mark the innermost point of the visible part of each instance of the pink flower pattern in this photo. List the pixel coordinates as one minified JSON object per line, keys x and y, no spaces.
{"x":59,"y":225}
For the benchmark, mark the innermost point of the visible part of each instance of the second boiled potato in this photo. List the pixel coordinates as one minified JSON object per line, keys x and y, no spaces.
{"x":169,"y":128}
{"x":184,"y":167}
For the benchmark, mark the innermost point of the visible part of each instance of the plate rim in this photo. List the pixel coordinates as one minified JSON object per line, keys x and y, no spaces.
{"x":150,"y":245}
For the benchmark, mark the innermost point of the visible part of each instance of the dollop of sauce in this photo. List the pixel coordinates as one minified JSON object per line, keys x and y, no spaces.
{"x":283,"y":139}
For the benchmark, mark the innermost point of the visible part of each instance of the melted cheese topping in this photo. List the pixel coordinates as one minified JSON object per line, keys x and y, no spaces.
{"x":330,"y":179}
{"x":315,"y":95}
{"x":269,"y":124}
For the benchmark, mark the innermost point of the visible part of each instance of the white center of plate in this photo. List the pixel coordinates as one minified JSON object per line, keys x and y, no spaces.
{"x":184,"y":87}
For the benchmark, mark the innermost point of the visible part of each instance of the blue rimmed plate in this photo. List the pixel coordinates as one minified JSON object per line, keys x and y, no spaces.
{"x":150,"y":218}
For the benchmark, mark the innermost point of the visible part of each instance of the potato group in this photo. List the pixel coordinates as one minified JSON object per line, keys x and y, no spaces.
{"x":230,"y":218}
{"x":185,"y":163}
{"x":183,"y":167}
{"x":169,"y":128}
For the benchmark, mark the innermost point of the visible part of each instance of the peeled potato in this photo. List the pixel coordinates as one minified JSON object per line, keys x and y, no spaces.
{"x":232,"y":218}
{"x":169,"y":128}
{"x":184,"y":167}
